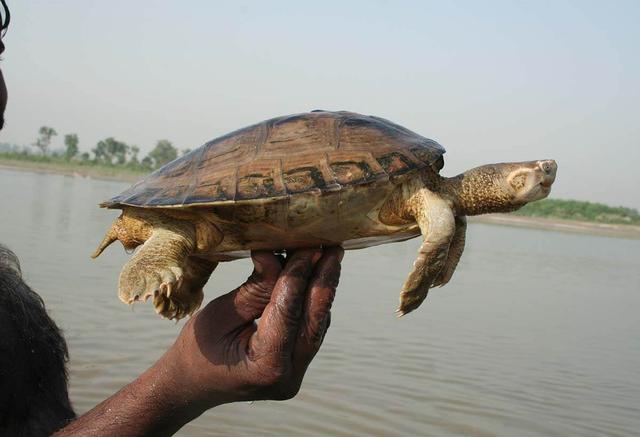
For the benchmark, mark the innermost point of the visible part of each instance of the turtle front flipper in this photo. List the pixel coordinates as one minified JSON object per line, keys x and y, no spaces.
{"x":437,"y":225}
{"x":455,"y":252}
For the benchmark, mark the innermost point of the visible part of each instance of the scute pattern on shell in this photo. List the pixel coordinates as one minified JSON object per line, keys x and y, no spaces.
{"x":310,"y":152}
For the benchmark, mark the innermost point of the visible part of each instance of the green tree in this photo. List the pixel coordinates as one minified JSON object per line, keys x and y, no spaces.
{"x":579,"y":210}
{"x":133,"y":160}
{"x":163,"y":152}
{"x":111,"y":151}
{"x":147,"y":163}
{"x":71,"y":143}
{"x":44,"y":140}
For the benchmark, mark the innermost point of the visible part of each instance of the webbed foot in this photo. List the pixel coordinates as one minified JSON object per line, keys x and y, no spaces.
{"x":175,"y":300}
{"x":426,"y":270}
{"x":176,"y":291}
{"x":437,"y":225}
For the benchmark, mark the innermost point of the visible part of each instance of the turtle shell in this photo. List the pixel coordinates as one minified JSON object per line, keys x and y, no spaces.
{"x":317,"y":151}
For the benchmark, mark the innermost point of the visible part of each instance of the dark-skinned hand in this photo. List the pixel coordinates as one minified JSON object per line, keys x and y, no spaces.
{"x":225,"y":354}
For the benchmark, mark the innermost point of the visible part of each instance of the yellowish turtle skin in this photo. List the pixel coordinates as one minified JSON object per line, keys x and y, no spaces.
{"x":306,"y":180}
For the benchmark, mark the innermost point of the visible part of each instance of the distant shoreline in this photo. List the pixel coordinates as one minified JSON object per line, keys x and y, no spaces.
{"x":553,"y":224}
{"x":94,"y":172}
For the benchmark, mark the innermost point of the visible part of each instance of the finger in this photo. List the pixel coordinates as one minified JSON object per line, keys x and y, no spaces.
{"x":316,"y":312}
{"x":278,"y":326}
{"x":247,"y":302}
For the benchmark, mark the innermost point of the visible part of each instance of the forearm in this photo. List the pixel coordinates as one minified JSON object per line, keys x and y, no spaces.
{"x":151,"y":405}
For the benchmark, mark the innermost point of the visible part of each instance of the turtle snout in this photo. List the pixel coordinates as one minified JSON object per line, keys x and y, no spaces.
{"x":549,"y":168}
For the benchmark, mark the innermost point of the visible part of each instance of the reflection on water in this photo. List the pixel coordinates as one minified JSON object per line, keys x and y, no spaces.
{"x":537,"y":334}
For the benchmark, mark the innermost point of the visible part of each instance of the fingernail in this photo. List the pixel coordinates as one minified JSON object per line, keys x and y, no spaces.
{"x":340,"y":253}
{"x":316,"y":256}
{"x":325,"y":327}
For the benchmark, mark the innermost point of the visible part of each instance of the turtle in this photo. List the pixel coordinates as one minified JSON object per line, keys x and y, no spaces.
{"x":312,"y":179}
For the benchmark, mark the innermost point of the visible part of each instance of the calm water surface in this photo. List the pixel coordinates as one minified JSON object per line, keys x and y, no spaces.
{"x":537,"y":334}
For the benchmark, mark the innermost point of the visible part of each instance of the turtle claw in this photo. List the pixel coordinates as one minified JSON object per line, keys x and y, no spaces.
{"x":172,"y":308}
{"x":173,"y":300}
{"x":135,"y":295}
{"x":174,"y":286}
{"x":417,"y":285}
{"x":175,"y":297}
{"x":411,"y":300}
{"x":137,"y":286}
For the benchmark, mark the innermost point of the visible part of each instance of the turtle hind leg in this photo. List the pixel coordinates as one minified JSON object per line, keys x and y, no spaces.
{"x":437,"y":224}
{"x":165,"y":269}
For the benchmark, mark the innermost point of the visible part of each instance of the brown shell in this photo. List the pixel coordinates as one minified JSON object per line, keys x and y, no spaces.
{"x":312,"y":152}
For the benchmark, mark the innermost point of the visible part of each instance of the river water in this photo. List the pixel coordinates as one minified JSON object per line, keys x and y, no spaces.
{"x":537,"y":334}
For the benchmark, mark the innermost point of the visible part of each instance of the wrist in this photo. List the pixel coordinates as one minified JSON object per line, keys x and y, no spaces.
{"x":193,"y":382}
{"x":152,"y":405}
{"x":172,"y":401}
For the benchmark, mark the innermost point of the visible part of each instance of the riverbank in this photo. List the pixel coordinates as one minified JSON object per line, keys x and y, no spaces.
{"x":129,"y":175}
{"x":102,"y":172}
{"x":553,"y":224}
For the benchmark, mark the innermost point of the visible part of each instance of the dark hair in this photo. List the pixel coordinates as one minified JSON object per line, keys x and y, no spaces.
{"x":6,"y":17}
{"x":34,"y":400}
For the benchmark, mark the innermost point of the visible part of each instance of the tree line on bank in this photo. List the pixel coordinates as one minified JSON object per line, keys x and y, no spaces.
{"x":109,"y":151}
{"x":581,"y":211}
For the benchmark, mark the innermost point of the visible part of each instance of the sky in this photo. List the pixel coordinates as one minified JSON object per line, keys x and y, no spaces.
{"x":491,"y":81}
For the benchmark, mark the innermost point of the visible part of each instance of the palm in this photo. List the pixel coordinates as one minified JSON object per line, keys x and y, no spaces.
{"x":243,"y":358}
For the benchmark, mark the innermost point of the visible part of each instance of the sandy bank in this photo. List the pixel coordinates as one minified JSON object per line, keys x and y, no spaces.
{"x":611,"y":230}
{"x":95,"y":172}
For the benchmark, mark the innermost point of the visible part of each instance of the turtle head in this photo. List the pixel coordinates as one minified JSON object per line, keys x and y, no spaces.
{"x":500,"y":187}
{"x":529,"y":181}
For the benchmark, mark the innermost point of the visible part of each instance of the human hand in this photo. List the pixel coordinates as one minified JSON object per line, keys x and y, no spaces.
{"x":223,"y":356}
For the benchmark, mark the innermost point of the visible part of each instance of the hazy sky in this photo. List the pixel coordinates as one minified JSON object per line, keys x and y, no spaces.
{"x":491,"y":81}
